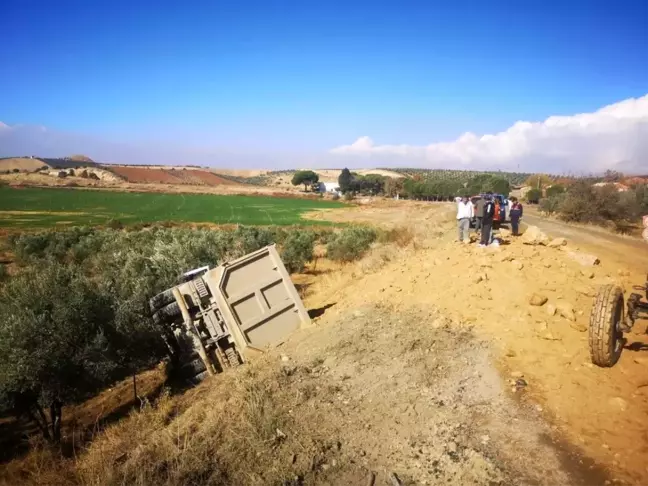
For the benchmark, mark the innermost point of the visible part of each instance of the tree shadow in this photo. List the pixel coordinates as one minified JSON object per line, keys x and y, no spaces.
{"x":315,"y":313}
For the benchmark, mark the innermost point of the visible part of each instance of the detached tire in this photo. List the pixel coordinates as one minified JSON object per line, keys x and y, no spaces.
{"x":605,"y":338}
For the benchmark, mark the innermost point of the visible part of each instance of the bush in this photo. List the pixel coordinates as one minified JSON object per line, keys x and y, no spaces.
{"x":552,"y":204}
{"x":115,"y":224}
{"x":349,"y":196}
{"x":297,"y":250}
{"x":585,"y":203}
{"x":555,"y":190}
{"x":15,"y":171}
{"x":533,"y":196}
{"x":335,"y":196}
{"x":350,"y":244}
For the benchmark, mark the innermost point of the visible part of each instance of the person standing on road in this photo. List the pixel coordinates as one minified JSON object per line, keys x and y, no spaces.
{"x":465,"y":213}
{"x":516,"y":215}
{"x":479,"y":213}
{"x":487,"y":221}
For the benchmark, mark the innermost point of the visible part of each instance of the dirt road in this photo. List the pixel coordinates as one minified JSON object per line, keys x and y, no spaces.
{"x":599,"y":412}
{"x":624,"y":251}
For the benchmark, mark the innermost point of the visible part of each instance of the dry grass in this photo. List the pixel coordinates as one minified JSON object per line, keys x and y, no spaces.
{"x":235,"y":429}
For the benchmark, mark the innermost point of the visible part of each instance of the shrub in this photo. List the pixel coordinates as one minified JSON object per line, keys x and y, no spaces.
{"x":115,"y":224}
{"x":349,"y":196}
{"x":3,"y":272}
{"x":555,"y":190}
{"x":335,"y":196}
{"x":298,"y":250}
{"x":552,"y":204}
{"x":62,"y":174}
{"x":350,"y":244}
{"x":15,"y":171}
{"x":533,"y":196}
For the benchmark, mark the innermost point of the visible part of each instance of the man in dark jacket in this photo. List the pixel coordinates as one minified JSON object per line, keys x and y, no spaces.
{"x":487,"y":221}
{"x":479,"y":213}
{"x":515,"y":214}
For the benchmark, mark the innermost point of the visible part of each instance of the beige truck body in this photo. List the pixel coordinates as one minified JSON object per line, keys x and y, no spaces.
{"x":239,"y":308}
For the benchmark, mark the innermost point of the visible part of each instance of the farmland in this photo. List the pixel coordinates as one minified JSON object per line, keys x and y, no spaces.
{"x":40,"y":208}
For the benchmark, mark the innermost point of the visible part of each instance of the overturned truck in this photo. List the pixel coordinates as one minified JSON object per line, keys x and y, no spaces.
{"x":217,"y":318}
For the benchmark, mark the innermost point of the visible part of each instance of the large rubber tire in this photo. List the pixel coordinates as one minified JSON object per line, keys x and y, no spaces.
{"x":160,"y":300}
{"x":605,"y":337}
{"x":193,"y":368}
{"x":167,"y":313}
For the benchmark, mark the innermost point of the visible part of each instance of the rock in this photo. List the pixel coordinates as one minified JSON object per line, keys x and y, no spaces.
{"x":533,"y":236}
{"x":452,"y":446}
{"x":551,"y":310}
{"x":504,"y":233}
{"x":517,"y":374}
{"x":521,"y":383}
{"x":538,"y":300}
{"x":546,"y":264}
{"x":547,"y":336}
{"x":577,"y":326}
{"x":285,"y":358}
{"x":518,"y":264}
{"x":358,"y":314}
{"x":587,"y":273}
{"x":586,"y":291}
{"x":506,"y":258}
{"x":585,"y":259}
{"x":557,"y":243}
{"x":619,"y":403}
{"x":566,"y":310}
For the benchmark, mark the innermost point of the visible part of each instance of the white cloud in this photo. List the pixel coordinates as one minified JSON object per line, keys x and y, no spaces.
{"x":615,"y":136}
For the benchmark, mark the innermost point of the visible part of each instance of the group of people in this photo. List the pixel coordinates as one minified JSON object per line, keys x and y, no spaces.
{"x":484,"y":211}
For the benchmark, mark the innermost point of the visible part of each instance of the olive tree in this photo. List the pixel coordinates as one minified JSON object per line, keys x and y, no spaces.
{"x":55,"y":343}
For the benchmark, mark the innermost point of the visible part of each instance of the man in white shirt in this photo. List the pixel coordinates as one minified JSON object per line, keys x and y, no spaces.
{"x":465,"y":213}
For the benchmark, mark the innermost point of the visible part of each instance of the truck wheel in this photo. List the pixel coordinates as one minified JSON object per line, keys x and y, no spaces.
{"x":167,"y":313}
{"x":193,"y":368}
{"x":160,"y":300}
{"x":605,"y":337}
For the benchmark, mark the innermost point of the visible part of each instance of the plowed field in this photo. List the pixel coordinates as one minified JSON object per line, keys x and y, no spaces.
{"x":145,"y":175}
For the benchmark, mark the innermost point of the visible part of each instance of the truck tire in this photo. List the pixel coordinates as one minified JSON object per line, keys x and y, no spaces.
{"x":605,"y":337}
{"x":160,"y":300}
{"x":192,"y":368}
{"x":167,"y":313}
{"x":197,"y":379}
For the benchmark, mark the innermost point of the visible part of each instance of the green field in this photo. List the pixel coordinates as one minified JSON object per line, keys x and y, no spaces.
{"x":40,"y":208}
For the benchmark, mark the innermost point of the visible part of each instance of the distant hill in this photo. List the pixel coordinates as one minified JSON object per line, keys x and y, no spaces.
{"x":70,"y":163}
{"x":80,"y":158}
{"x":22,"y":164}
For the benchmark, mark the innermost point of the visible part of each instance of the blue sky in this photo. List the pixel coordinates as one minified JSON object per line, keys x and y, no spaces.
{"x":274,"y":78}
